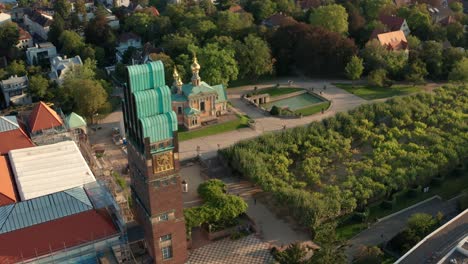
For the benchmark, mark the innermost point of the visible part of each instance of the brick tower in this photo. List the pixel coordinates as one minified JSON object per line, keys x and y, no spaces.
{"x":153,"y":158}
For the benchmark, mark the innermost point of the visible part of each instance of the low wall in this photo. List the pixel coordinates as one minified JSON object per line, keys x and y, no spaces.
{"x":285,"y":96}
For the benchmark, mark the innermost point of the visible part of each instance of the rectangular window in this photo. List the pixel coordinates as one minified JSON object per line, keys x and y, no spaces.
{"x":166,"y":252}
{"x":202,"y":106}
{"x":165,"y":238}
{"x":163,"y":217}
{"x":179,"y":110}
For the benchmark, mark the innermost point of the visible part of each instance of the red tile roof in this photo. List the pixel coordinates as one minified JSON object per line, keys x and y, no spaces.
{"x":392,"y":23}
{"x":394,"y":40}
{"x":53,"y":236}
{"x":23,"y":34}
{"x":153,"y":10}
{"x":14,"y":139}
{"x":279,"y":20}
{"x":236,"y":9}
{"x":43,"y":117}
{"x":7,"y":187}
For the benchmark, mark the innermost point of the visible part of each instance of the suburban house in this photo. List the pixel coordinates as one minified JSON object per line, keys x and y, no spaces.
{"x":25,"y":39}
{"x":278,"y":20}
{"x":38,"y":23}
{"x":59,"y":67}
{"x":394,"y":23}
{"x":14,"y":90}
{"x":395,"y":40}
{"x":41,"y":53}
{"x":197,"y":103}
{"x":127,"y":40}
{"x":4,"y":17}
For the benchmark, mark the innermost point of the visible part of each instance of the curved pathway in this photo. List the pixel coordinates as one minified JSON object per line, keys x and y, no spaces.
{"x":342,"y":101}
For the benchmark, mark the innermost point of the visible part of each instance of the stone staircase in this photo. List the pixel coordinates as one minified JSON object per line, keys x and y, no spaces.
{"x":242,"y":188}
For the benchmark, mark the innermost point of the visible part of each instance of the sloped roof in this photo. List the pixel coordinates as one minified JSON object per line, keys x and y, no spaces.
{"x":50,"y":168}
{"x":23,"y":34}
{"x":279,"y":20}
{"x":43,"y":209}
{"x":43,"y":117}
{"x":153,"y":101}
{"x":191,"y":111}
{"x":191,"y":90}
{"x":146,"y":76}
{"x":178,"y":97}
{"x":394,"y":40}
{"x":74,"y":120}
{"x":236,"y":9}
{"x":7,"y":188}
{"x":52,"y":236}
{"x":8,"y":123}
{"x":222,"y":94}
{"x":159,"y":127}
{"x":392,"y":22}
{"x":14,"y":139}
{"x":39,"y":18}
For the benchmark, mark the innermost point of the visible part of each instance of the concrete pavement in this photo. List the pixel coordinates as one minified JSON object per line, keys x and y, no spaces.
{"x":342,"y":101}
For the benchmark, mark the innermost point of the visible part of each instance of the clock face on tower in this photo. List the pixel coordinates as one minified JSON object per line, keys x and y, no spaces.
{"x":163,"y":162}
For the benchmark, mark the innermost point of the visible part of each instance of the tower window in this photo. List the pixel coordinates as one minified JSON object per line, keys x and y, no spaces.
{"x":165,"y":238}
{"x":179,"y":110}
{"x":202,"y":106}
{"x":164,"y":217}
{"x":166,"y":252}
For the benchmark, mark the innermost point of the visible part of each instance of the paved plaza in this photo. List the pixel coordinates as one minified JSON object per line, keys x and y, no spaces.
{"x":248,"y":250}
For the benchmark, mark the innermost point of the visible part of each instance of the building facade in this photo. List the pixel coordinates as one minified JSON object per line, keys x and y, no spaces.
{"x":197,"y":103}
{"x":41,"y":53}
{"x":14,"y":90}
{"x":60,"y":66}
{"x":153,"y":158}
{"x":38,"y":23}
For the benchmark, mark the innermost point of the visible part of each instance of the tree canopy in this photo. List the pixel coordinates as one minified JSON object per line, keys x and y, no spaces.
{"x":321,"y":17}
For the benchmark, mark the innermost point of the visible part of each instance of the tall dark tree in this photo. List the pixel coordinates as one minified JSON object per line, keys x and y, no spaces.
{"x":9,"y":37}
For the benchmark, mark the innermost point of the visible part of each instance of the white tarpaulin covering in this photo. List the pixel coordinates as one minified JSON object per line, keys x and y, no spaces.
{"x":48,"y":169}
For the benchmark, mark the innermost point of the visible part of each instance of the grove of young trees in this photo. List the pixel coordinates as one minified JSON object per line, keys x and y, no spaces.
{"x":344,"y":163}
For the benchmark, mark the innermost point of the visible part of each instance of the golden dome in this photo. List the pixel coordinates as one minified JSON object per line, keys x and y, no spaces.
{"x":195,"y":66}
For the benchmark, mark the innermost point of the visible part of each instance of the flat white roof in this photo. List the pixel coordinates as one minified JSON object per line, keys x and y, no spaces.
{"x":48,"y":169}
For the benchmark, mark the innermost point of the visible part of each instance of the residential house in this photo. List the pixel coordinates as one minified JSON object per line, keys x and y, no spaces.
{"x":197,"y":103}
{"x":12,"y":136}
{"x":17,"y":14}
{"x":4,"y":17}
{"x":41,"y":53}
{"x":14,"y":90}
{"x":44,"y":125}
{"x":125,"y":41}
{"x":394,"y":23}
{"x":116,"y":3}
{"x":236,"y":9}
{"x":60,"y":66}
{"x":278,"y":20}
{"x":395,"y":40}
{"x":25,"y":39}
{"x":38,"y":23}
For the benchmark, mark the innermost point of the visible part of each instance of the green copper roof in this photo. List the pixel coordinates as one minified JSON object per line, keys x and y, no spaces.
{"x":146,"y":76}
{"x":153,"y":101}
{"x":191,"y":111}
{"x":159,"y":127}
{"x":222,"y":95}
{"x":74,"y":120}
{"x":203,"y":88}
{"x":179,"y":98}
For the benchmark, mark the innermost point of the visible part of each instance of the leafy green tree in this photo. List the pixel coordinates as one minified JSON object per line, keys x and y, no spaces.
{"x":175,"y":44}
{"x":9,"y":35}
{"x":293,"y":254}
{"x":369,"y":255}
{"x":416,"y":71}
{"x":233,"y":23}
{"x":56,"y":29}
{"x":431,"y":54}
{"x":254,"y":57}
{"x":218,"y":65}
{"x":459,"y":72}
{"x":422,"y":223}
{"x":354,"y":68}
{"x":455,"y":34}
{"x":71,"y":43}
{"x":373,"y":8}
{"x":374,"y":55}
{"x":262,"y":9}
{"x":17,"y":67}
{"x":321,"y":17}
{"x":63,"y":8}
{"x":378,"y":77}
{"x":168,"y":65}
{"x":99,"y":33}
{"x":139,"y":23}
{"x":418,"y":19}
{"x":38,"y":87}
{"x":456,"y":7}
{"x":450,"y":57}
{"x":413,"y":42}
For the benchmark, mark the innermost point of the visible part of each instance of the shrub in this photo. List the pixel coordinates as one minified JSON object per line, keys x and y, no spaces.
{"x":275,"y":111}
{"x":378,"y":77}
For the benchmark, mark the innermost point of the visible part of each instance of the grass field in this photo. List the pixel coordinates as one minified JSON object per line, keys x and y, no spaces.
{"x":313,"y":109}
{"x":273,"y":91}
{"x":240,"y":122}
{"x":370,"y":92}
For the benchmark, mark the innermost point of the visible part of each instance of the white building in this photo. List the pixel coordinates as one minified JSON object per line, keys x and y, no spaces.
{"x":42,"y":51}
{"x":127,"y":40}
{"x":4,"y":17}
{"x":38,"y":23}
{"x":60,"y":66}
{"x":49,"y":169}
{"x":14,"y":90}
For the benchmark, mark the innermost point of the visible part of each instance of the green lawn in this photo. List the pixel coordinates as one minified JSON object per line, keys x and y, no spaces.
{"x":240,"y":122}
{"x":313,"y":109}
{"x":369,"y":92}
{"x":273,"y":91}
{"x":347,"y":231}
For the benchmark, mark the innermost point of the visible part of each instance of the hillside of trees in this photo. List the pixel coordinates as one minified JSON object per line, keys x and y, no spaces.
{"x":344,"y":163}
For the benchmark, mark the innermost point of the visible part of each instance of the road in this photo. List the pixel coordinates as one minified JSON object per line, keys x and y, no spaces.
{"x":384,"y":230}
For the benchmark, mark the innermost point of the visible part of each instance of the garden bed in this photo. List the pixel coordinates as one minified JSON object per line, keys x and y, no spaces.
{"x":240,"y":122}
